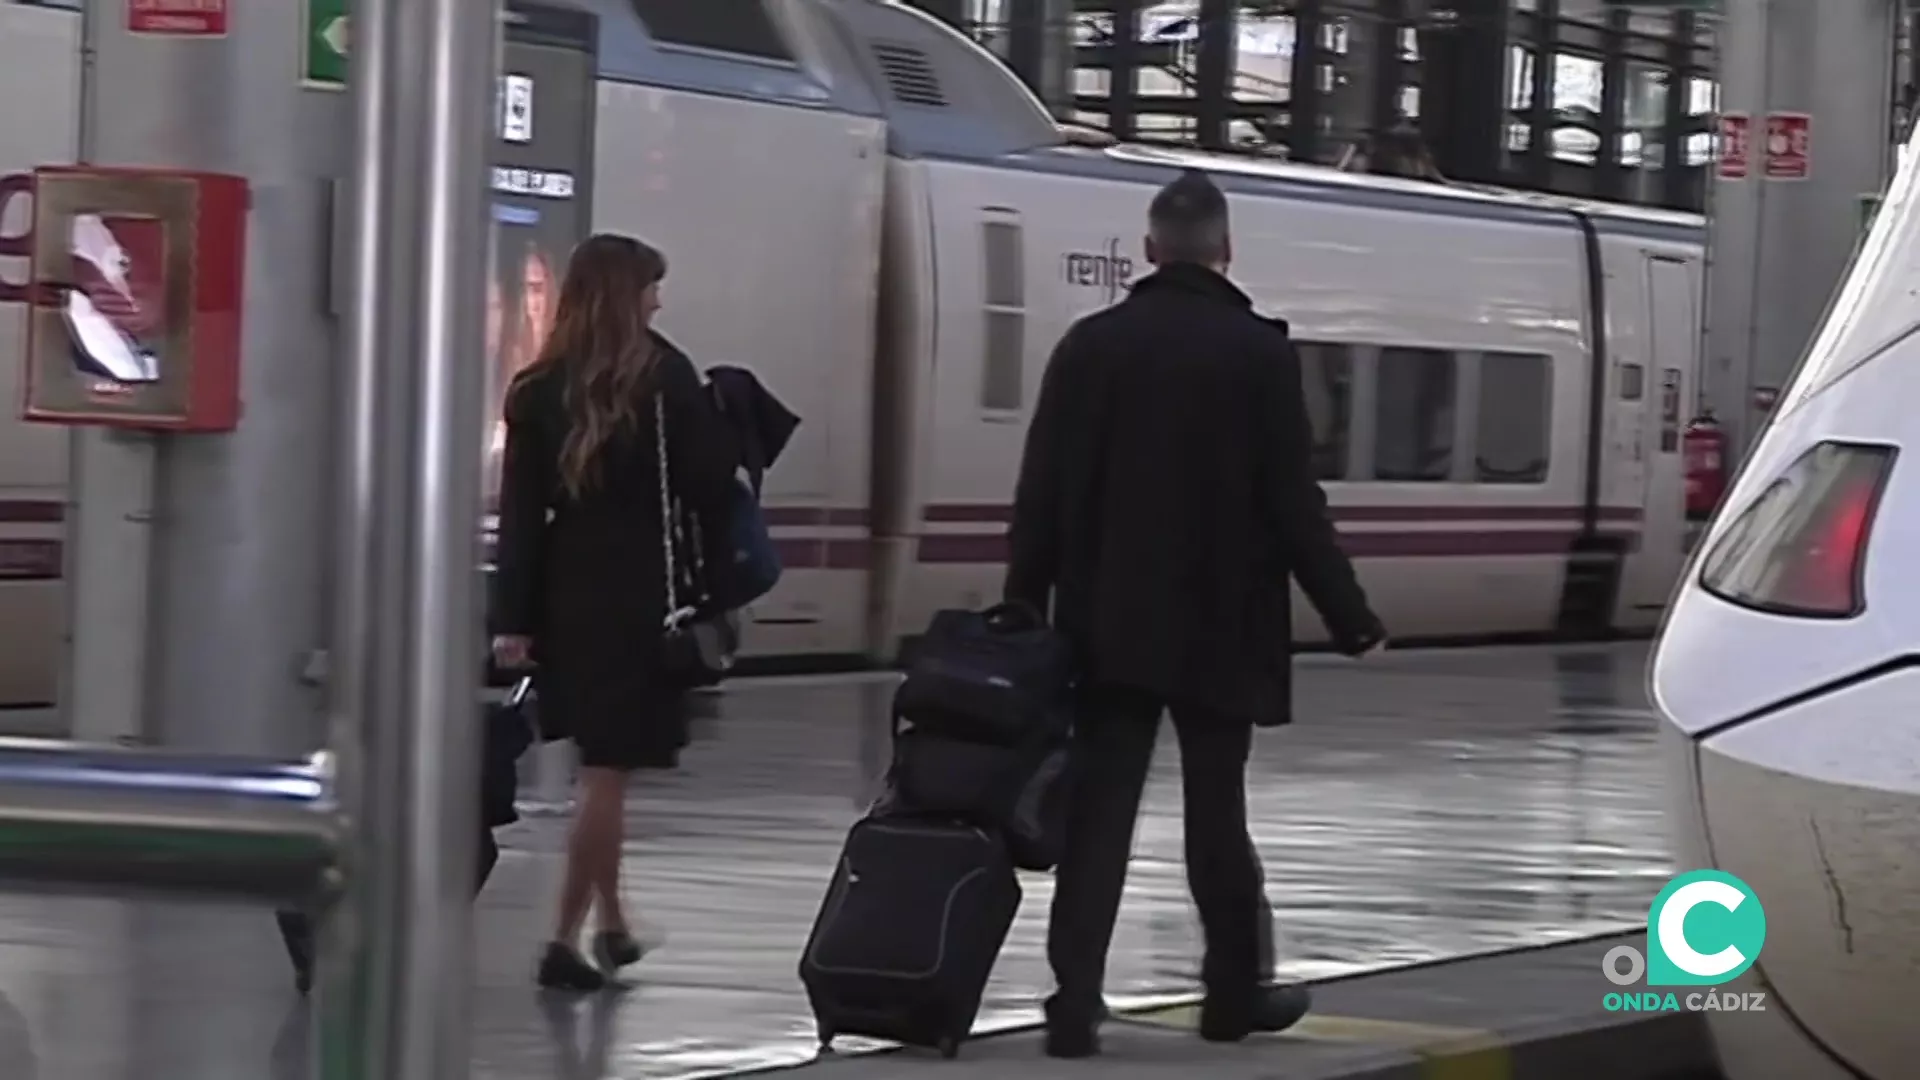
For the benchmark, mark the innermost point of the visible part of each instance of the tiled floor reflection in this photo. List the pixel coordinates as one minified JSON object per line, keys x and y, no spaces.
{"x":1427,"y":805}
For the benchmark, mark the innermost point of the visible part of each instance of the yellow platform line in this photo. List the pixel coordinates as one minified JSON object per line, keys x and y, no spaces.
{"x":1445,"y":1053}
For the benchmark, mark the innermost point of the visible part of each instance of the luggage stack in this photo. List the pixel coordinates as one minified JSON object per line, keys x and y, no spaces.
{"x":926,"y":888}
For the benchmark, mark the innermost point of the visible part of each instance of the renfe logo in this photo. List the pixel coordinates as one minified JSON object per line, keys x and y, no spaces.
{"x":1705,"y":928}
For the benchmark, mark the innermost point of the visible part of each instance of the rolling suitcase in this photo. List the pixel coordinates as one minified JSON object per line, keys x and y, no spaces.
{"x":909,"y":931}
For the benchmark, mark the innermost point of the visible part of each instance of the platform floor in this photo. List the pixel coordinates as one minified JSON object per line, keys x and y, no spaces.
{"x":1425,"y":805}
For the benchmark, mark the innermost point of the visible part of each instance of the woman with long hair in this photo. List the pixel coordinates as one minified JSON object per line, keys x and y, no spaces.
{"x":579,"y":589}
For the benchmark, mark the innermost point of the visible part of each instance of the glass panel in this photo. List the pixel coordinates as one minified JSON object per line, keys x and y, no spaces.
{"x":1326,"y":380}
{"x":1003,"y":368}
{"x":1515,"y":419}
{"x":1413,"y":438}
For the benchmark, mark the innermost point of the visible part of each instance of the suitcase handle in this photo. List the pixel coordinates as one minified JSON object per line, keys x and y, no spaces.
{"x":1013,"y":616}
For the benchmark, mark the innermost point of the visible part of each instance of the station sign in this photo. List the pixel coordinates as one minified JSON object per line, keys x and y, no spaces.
{"x":1789,"y":145}
{"x":1734,"y":155}
{"x":177,"y":18}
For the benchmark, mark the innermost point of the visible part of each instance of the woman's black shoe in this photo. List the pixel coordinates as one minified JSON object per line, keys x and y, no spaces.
{"x":562,"y":968}
{"x":615,"y":949}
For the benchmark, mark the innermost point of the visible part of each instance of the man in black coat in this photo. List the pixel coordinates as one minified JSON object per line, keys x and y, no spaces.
{"x":1166,"y":496}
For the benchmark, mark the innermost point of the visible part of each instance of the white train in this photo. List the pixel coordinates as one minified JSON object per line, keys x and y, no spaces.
{"x":872,"y":213}
{"x":1788,"y":677}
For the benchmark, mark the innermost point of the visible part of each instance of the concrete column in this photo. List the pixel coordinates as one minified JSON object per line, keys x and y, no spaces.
{"x":198,"y":567}
{"x":1810,"y":82}
{"x":198,"y":561}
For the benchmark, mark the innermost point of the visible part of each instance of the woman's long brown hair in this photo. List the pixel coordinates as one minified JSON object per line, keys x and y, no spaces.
{"x":602,"y":347}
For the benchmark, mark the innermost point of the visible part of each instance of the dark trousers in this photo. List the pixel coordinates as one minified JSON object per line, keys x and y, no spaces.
{"x":1114,"y":737}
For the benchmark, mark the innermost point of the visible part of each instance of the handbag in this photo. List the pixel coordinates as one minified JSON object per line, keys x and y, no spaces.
{"x":698,"y":643}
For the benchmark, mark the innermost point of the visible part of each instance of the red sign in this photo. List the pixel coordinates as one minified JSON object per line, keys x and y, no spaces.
{"x":1789,"y":136}
{"x":1735,"y":137}
{"x":177,"y":18}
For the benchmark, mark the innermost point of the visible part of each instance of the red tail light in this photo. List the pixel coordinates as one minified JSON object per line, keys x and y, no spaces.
{"x":1801,"y":547}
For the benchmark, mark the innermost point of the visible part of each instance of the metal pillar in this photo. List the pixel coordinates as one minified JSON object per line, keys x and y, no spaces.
{"x":393,"y":979}
{"x":1306,"y":100}
{"x":1543,"y":30}
{"x":1350,"y":105}
{"x":1811,"y":83}
{"x":951,"y":12}
{"x":1463,"y":94}
{"x":1676,"y":176}
{"x":1123,"y":70}
{"x":1216,"y":57}
{"x":1040,"y":49}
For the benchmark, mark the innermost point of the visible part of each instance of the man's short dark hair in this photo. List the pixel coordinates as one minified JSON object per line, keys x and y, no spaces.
{"x":1188,"y":220}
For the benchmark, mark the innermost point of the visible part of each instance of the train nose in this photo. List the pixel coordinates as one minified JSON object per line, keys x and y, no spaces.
{"x":1816,"y":806}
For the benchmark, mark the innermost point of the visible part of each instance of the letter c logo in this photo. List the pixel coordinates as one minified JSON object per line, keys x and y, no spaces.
{"x":1725,"y":915}
{"x":1672,"y":928}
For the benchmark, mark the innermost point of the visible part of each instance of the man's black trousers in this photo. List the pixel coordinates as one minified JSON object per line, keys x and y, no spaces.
{"x":1114,"y":737}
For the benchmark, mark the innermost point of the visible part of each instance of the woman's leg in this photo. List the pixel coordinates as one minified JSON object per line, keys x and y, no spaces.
{"x":612,"y":833}
{"x":593,"y":846}
{"x":562,"y":967}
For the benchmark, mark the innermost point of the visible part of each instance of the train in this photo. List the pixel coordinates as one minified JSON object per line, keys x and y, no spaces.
{"x":1785,"y":677}
{"x":869,"y":210}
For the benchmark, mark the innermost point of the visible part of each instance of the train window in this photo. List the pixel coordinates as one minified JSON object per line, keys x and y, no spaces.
{"x":1413,"y":418}
{"x":1003,"y":367}
{"x":1633,"y":382}
{"x":1326,"y":378}
{"x":1515,"y":419}
{"x":732,"y":26}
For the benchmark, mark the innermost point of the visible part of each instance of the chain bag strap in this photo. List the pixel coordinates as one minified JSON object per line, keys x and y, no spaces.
{"x":676,"y":615}
{"x":700,"y":651}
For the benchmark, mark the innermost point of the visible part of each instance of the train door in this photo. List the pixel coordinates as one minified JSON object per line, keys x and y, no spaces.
{"x":1673,"y":333}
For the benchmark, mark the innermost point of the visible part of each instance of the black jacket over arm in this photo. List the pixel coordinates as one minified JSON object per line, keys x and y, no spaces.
{"x":1167,"y":495}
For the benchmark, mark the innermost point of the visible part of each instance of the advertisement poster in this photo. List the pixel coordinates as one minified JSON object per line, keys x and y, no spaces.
{"x":542,"y":166}
{"x":115,"y":312}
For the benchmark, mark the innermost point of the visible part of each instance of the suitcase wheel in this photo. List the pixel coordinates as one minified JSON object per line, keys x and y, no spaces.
{"x":949,"y":1047}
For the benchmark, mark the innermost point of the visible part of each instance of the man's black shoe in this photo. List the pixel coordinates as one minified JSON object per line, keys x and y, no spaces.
{"x":1273,"y":1008}
{"x":1072,"y":1040}
{"x":1072,"y":1033}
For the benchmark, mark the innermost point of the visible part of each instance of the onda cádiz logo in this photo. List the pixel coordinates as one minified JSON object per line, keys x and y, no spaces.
{"x":1704,"y":929}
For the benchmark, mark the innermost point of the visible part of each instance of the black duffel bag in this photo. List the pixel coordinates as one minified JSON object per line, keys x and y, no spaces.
{"x":1000,"y":676}
{"x":1020,"y":792}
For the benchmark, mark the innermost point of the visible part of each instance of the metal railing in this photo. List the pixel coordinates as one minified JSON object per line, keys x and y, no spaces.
{"x":80,"y":819}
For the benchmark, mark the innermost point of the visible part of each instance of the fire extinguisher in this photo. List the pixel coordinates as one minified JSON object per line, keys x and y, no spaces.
{"x":1704,"y":455}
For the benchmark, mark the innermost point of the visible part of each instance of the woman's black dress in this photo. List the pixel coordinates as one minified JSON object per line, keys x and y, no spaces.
{"x":585,"y":578}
